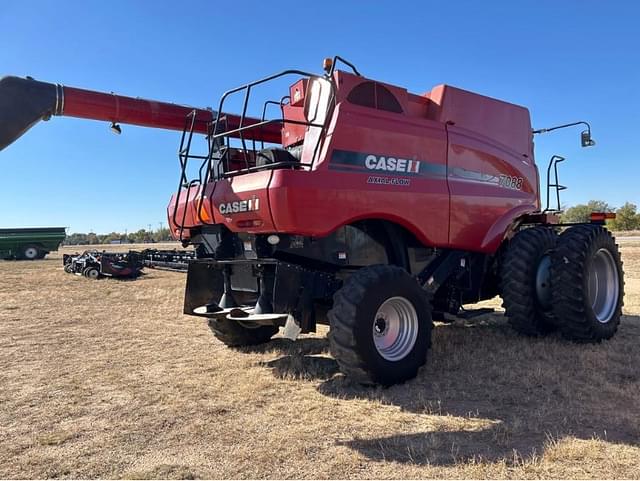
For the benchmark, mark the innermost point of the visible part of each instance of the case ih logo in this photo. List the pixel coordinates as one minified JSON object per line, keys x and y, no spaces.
{"x":391,"y":164}
{"x":348,"y":161}
{"x":236,"y":207}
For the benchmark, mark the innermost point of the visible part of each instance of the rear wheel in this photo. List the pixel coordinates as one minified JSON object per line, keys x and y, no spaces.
{"x":233,"y":334}
{"x":30,"y":253}
{"x":525,"y":281}
{"x":588,"y":284}
{"x":380,"y":326}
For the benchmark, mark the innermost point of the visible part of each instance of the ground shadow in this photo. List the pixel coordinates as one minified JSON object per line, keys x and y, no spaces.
{"x":302,"y":367}
{"x":526,"y":392}
{"x":305,"y":358}
{"x":281,"y":345}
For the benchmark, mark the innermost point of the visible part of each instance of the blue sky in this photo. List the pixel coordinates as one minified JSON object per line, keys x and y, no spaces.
{"x":565,"y":61}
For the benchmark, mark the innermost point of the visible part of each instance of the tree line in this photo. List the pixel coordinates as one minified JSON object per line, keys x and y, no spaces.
{"x":139,"y":237}
{"x":627,"y":217}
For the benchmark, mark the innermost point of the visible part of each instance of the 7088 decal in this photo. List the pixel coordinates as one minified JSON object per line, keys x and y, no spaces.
{"x":509,"y":182}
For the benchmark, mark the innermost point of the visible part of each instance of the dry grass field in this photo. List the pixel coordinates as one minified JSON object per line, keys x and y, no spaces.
{"x":108,"y":379}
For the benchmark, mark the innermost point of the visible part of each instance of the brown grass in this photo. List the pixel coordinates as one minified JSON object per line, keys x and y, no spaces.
{"x":627,"y":233}
{"x":108,"y":379}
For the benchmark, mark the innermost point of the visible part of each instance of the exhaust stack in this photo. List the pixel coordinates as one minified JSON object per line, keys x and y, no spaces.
{"x":25,"y":101}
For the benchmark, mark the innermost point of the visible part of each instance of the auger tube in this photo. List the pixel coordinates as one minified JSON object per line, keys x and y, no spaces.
{"x":25,"y":101}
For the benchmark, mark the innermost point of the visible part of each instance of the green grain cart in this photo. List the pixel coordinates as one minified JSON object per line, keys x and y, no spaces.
{"x":30,"y":243}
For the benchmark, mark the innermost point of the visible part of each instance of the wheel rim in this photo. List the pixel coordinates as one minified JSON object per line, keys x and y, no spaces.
{"x":604,"y":285}
{"x":395,"y":328}
{"x":31,"y":253}
{"x":543,"y":282}
{"x":93,"y":274}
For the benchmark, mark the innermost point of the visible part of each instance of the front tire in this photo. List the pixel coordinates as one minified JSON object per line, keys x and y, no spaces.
{"x":380,"y":326}
{"x":91,"y":272}
{"x":525,"y":283}
{"x":588,"y":284}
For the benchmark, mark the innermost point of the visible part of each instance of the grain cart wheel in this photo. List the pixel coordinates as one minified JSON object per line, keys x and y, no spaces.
{"x":30,"y":253}
{"x":380,"y":326}
{"x":525,"y":283}
{"x":234,"y":334}
{"x":91,"y":272}
{"x":587,"y":284}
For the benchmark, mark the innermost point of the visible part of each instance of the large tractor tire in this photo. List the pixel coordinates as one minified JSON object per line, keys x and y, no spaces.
{"x":587,"y":284}
{"x":30,"y":253}
{"x":525,"y":281}
{"x":380,"y":326}
{"x":234,"y":334}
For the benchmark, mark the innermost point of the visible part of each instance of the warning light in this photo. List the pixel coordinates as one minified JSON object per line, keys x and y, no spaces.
{"x":327,"y":63}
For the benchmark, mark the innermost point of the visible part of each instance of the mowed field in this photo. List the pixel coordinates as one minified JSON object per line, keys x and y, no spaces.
{"x":109,"y":379}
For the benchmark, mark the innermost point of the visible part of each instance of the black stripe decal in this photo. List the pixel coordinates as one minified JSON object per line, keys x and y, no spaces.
{"x":348,"y":161}
{"x":345,"y":160}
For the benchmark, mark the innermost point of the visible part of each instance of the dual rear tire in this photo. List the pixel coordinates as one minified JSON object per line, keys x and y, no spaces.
{"x":587,"y":284}
{"x":572,"y":283}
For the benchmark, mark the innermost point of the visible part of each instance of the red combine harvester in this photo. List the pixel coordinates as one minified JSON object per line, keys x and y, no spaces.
{"x":365,"y":207}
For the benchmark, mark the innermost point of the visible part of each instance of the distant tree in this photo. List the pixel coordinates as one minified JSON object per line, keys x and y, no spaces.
{"x":139,"y":237}
{"x":109,"y":238}
{"x":162,"y":235}
{"x":581,"y":212}
{"x":627,"y":218}
{"x":76,"y":239}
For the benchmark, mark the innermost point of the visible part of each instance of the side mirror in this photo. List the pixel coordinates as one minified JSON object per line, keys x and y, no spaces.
{"x":586,"y":139}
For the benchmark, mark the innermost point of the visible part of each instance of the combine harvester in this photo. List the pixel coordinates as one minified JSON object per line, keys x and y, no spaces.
{"x":363,"y":206}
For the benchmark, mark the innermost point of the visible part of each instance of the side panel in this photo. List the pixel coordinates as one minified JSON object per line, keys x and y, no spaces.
{"x":490,"y":186}
{"x":380,"y":165}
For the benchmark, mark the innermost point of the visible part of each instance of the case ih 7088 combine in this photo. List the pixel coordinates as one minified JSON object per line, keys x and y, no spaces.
{"x":365,"y":207}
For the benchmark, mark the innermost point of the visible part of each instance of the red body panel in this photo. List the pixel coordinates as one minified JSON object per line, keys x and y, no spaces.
{"x":253,"y":187}
{"x":454,"y":168}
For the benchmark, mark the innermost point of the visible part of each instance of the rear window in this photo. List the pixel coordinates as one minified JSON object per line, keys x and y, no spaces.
{"x":375,"y":96}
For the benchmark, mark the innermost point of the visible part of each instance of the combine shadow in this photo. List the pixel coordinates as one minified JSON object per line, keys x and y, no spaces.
{"x":511,"y":395}
{"x":298,"y":359}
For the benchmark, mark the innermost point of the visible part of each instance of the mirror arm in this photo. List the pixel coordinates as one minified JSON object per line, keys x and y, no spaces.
{"x":542,"y":131}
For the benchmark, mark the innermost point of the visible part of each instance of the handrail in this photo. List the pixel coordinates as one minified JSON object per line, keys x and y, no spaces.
{"x":554,"y":161}
{"x":219,"y":144}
